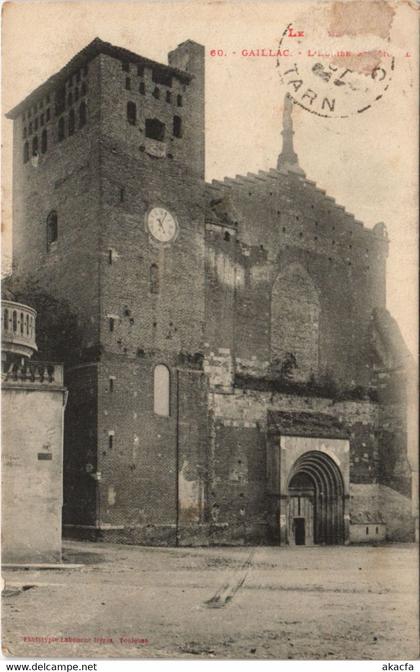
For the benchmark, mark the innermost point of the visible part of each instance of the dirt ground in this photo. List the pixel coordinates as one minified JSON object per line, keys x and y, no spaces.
{"x":302,"y":603}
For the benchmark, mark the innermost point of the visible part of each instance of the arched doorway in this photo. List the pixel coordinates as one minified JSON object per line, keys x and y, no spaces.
{"x":316,"y":501}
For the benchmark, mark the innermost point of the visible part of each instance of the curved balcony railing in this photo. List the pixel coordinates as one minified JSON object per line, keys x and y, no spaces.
{"x":18,"y":328}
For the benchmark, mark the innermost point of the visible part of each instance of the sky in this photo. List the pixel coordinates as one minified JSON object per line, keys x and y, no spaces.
{"x":367,"y":162}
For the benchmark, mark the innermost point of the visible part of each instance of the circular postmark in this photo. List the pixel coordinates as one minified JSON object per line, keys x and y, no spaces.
{"x":339,"y":61}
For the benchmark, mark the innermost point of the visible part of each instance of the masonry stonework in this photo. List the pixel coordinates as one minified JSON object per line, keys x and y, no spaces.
{"x":265,"y":307}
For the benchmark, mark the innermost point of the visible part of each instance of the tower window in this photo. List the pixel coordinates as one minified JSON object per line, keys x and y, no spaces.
{"x":140,"y":70}
{"x":128,"y":83}
{"x":155,"y":129}
{"x":52,"y":228}
{"x":168,"y":97}
{"x":156,"y":92}
{"x":111,"y":384}
{"x":26,"y":152}
{"x":6,"y":320}
{"x":110,"y":259}
{"x":44,"y":141}
{"x":111,"y":324}
{"x":177,"y":127}
{"x":72,"y":122}
{"x":226,"y":236}
{"x":367,"y":530}
{"x":154,"y":279}
{"x":131,"y":113}
{"x":179,"y":100}
{"x":161,"y":390}
{"x":61,"y":130}
{"x":142,"y":88}
{"x":82,"y":114}
{"x":35,"y":146}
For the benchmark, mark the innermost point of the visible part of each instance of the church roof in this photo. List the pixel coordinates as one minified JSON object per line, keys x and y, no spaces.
{"x":88,"y":53}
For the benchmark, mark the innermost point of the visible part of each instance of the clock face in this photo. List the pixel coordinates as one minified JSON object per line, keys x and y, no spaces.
{"x":162,"y":225}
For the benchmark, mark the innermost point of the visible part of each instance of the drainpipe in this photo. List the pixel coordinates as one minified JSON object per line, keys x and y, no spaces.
{"x":177,"y":462}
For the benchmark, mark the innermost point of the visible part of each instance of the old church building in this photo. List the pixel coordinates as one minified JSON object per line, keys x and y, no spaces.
{"x":236,"y":376}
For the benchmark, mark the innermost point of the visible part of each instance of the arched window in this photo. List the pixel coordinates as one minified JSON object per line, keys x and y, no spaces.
{"x":52,"y":228}
{"x":154,"y":279}
{"x":179,"y":100}
{"x":82,"y":114}
{"x":131,"y":113}
{"x":295,"y":313}
{"x":26,"y":152}
{"x":35,"y":146}
{"x":44,"y":141}
{"x":177,"y":127}
{"x":161,"y":390}
{"x":155,"y":129}
{"x":61,"y":130}
{"x":22,"y":325}
{"x":72,"y":122}
{"x":156,"y":92}
{"x":14,"y":321}
{"x":6,"y":319}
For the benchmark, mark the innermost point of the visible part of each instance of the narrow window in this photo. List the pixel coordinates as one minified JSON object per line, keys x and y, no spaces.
{"x":111,"y":385}
{"x":142,"y":88}
{"x":140,"y":70}
{"x":25,"y":132}
{"x":122,"y":195}
{"x":168,"y":96}
{"x":22,"y":324}
{"x":35,"y":146}
{"x":110,"y":257}
{"x":111,"y":324}
{"x":227,"y":236}
{"x":161,"y":390}
{"x":179,"y":100}
{"x":367,"y":530}
{"x":154,"y":279}
{"x":82,"y":114}
{"x":177,"y":127}
{"x":377,"y":530}
{"x":14,"y":321}
{"x":52,"y":228}
{"x":26,"y":152}
{"x":128,"y":83}
{"x":60,"y":101}
{"x":61,"y":130}
{"x":27,"y":325}
{"x":48,"y":114}
{"x":83,"y":89}
{"x":110,"y":441}
{"x":6,"y":320}
{"x":44,"y":141}
{"x":131,"y":113}
{"x":156,"y":93}
{"x":155,"y":129}
{"x":72,"y":121}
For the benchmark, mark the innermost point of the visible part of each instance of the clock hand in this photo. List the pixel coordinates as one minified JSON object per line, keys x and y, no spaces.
{"x":164,"y":217}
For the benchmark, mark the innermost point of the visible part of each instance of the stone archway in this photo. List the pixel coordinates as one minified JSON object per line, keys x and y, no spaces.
{"x":315,"y":501}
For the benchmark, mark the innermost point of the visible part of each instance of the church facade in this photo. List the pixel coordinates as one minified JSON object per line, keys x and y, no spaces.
{"x":238,"y":378}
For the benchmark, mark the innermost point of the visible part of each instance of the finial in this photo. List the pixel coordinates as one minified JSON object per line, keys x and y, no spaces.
{"x":288,"y":159}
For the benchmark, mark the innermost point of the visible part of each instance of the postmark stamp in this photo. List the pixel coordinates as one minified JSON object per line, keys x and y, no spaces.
{"x":341,"y":59}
